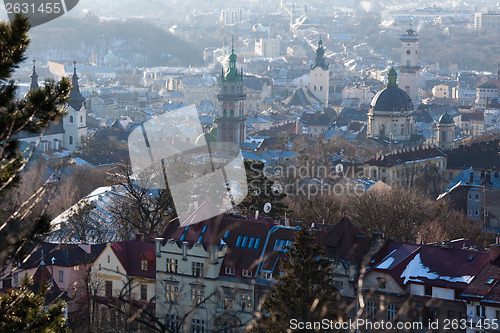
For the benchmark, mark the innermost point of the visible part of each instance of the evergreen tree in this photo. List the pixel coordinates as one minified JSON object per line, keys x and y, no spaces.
{"x":262,"y":190}
{"x":22,"y":310}
{"x":32,"y":114}
{"x":303,"y":291}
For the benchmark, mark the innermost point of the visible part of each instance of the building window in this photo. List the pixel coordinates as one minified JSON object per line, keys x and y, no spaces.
{"x":381,"y":283}
{"x":477,"y":213}
{"x":109,"y":288}
{"x":246,"y":303}
{"x":246,"y":273}
{"x":61,"y":276}
{"x":371,"y":309}
{"x":172,"y":265}
{"x":172,"y":323}
{"x":391,"y":312}
{"x":197,"y":326}
{"x":108,"y":259}
{"x":227,"y":303}
{"x":144,"y":265}
{"x":71,"y":119}
{"x":267,"y":275}
{"x":171,"y":293}
{"x":230,"y":270}
{"x":477,"y":197}
{"x":197,"y":269}
{"x":81,"y":119}
{"x":99,"y":266}
{"x":198,"y":297}
{"x":144,"y":292}
{"x":427,"y":290}
{"x":70,"y":140}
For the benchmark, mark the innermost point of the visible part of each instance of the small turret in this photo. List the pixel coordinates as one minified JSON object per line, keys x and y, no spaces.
{"x":34,"y":79}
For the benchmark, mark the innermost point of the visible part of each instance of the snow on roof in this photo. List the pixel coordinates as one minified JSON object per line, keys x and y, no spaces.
{"x":416,"y":271}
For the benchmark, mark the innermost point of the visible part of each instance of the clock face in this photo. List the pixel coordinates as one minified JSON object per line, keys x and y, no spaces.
{"x":408,"y":51}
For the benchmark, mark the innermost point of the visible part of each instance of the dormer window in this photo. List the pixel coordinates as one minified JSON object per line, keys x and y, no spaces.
{"x":144,"y":265}
{"x":230,"y":270}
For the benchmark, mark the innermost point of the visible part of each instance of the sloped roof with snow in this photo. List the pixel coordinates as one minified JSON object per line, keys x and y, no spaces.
{"x":441,"y":266}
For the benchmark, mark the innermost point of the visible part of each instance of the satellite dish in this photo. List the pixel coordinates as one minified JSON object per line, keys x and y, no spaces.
{"x":339,"y":168}
{"x":267,"y":208}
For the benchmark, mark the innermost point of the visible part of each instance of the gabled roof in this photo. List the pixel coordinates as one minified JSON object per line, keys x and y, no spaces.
{"x":440,"y":266}
{"x":486,"y":284}
{"x":302,"y":97}
{"x":345,"y":241}
{"x":315,"y":119}
{"x":61,"y":255}
{"x":131,"y":252}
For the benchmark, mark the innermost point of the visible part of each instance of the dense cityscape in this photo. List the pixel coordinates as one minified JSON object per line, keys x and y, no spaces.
{"x":264,"y":166}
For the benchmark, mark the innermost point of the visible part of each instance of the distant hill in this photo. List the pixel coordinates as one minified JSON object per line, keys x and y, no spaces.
{"x":137,"y":41}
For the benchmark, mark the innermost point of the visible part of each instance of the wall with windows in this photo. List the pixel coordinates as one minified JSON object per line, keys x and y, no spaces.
{"x":188,"y":281}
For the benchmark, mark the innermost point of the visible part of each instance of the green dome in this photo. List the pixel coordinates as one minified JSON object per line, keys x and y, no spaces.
{"x":233,"y":57}
{"x":209,"y":138}
{"x":446,"y":119}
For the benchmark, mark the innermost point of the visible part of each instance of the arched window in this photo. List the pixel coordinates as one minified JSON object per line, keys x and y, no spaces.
{"x":70,"y":140}
{"x":224,"y":113}
{"x":231,"y":113}
{"x":71,"y":119}
{"x":81,"y":119}
{"x":314,"y":88}
{"x":320,"y":88}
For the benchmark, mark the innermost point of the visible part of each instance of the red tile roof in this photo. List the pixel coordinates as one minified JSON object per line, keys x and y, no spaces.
{"x":441,"y":266}
{"x":130,"y":254}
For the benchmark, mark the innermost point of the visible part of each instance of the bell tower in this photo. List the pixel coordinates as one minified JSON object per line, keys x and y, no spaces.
{"x":75,"y":121}
{"x":320,"y":75}
{"x":409,"y":64}
{"x":231,"y":119}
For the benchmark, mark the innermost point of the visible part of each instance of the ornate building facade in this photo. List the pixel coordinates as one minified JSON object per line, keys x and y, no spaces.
{"x":391,"y":112}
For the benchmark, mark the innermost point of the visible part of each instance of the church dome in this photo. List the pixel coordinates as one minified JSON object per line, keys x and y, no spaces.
{"x":446,"y":119}
{"x":209,"y":138}
{"x":391,"y":98}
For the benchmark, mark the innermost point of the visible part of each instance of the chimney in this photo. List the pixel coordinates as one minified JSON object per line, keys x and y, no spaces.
{"x":85,"y":247}
{"x":494,"y":252}
{"x":213,"y":255}
{"x":184,"y":250}
{"x":471,"y":179}
{"x":158,"y":242}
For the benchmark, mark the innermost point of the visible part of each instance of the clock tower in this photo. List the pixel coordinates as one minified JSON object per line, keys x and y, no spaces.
{"x":408,"y":70}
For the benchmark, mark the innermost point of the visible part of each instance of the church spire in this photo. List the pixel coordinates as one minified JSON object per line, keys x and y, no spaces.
{"x":34,"y":79}
{"x":232,"y":73}
{"x":320,"y":57}
{"x":75,"y":97}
